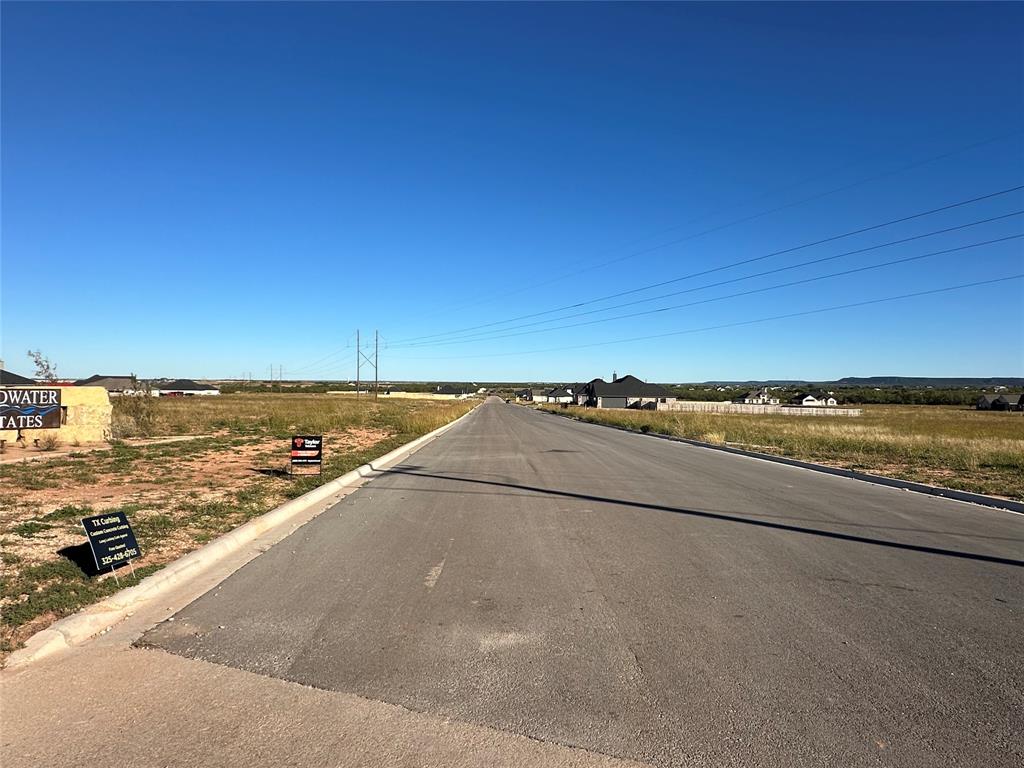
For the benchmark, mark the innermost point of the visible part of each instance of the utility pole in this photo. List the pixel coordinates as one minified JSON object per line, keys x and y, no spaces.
{"x":376,"y":372}
{"x":358,"y":357}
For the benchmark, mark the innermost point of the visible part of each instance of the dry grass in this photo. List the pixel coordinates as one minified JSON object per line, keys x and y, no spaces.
{"x":179,"y":494}
{"x":953,"y":447}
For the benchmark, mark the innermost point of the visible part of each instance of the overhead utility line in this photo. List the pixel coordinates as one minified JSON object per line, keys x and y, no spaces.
{"x":740,"y":323}
{"x":735,"y":295}
{"x":711,"y":270}
{"x":743,"y":220}
{"x":482,"y":335}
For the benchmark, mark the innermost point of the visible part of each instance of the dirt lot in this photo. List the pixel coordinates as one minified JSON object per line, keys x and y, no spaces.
{"x":178,"y":493}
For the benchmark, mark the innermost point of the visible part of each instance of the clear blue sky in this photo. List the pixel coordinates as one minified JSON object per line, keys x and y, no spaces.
{"x":209,"y":189}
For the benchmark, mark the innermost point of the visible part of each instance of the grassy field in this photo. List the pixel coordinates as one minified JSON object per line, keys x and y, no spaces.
{"x":980,"y":451}
{"x":185,"y":471}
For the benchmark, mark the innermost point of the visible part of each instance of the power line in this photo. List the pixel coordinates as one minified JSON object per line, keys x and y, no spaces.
{"x":490,"y":334}
{"x":790,"y":315}
{"x":338,"y":365}
{"x":701,"y":273}
{"x":733,"y":295}
{"x":485,"y":334}
{"x":325,"y":357}
{"x":843,"y":188}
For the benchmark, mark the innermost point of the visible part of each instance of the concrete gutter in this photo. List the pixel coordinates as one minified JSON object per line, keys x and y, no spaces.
{"x":905,"y":485}
{"x":80,"y":627}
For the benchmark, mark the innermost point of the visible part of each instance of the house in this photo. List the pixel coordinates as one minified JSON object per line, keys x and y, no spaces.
{"x":625,"y":392}
{"x":813,"y":400}
{"x":563,"y":394}
{"x":524,"y":395}
{"x":115,"y":385}
{"x":1004,"y":401}
{"x":8,"y":379}
{"x":757,"y":397}
{"x":183,"y":388}
{"x":538,"y":395}
{"x":451,"y":392}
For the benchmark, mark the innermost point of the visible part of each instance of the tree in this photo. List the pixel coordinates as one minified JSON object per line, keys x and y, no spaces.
{"x":45,"y":370}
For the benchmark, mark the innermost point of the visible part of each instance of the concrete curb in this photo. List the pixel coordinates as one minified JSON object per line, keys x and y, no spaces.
{"x":994,"y":502}
{"x":79,"y":627}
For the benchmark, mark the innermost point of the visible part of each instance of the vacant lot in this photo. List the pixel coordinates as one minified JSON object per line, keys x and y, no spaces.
{"x":980,"y":451}
{"x":223,"y":467}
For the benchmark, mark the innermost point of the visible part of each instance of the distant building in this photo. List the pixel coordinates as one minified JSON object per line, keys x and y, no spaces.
{"x":539,"y":395}
{"x":625,"y":392}
{"x":564,"y":394}
{"x":182,"y":388}
{"x":8,"y":379}
{"x":1004,"y":401}
{"x":451,"y":392}
{"x":814,"y":399}
{"x":757,"y":397}
{"x":115,"y":385}
{"x":524,"y":395}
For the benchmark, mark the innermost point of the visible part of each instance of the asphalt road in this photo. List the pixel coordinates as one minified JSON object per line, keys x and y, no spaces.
{"x":644,"y":599}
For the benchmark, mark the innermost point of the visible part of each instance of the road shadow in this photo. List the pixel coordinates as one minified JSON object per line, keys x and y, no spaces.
{"x":708,"y":515}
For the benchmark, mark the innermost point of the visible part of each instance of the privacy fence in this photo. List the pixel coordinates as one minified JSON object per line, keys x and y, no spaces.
{"x":701,"y":406}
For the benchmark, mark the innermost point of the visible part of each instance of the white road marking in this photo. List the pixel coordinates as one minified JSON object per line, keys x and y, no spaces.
{"x":434,"y":575}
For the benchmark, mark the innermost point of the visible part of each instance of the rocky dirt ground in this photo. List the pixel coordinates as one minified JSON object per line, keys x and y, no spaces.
{"x":178,"y":492}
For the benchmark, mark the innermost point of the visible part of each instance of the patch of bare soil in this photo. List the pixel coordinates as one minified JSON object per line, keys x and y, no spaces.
{"x":153,"y":487}
{"x":15,"y":453}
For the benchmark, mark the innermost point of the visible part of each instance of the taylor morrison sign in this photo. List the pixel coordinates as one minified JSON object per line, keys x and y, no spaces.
{"x":307,"y":449}
{"x":37,"y":408}
{"x":111,"y":539}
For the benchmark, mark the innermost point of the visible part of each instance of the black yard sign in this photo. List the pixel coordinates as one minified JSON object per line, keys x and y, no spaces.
{"x":111,"y":539}
{"x":35,"y":408}
{"x":308,"y":450}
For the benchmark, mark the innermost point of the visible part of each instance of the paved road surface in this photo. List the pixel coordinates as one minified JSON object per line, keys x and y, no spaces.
{"x":635,"y":598}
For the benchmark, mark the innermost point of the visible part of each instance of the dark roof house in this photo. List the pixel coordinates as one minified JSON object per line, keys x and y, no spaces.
{"x":8,"y":379}
{"x":1003,"y":401}
{"x":110,"y":383}
{"x":565,"y":391}
{"x":182,"y":385}
{"x":624,"y":392}
{"x":451,"y":389}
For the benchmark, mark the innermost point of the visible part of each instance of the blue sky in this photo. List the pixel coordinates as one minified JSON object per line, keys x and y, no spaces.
{"x":209,"y":189}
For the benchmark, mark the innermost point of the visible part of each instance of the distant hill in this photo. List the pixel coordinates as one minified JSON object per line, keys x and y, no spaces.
{"x":928,"y":381}
{"x":936,"y":382}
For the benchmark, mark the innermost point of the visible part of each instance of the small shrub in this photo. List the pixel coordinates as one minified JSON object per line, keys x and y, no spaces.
{"x":136,"y":416}
{"x":29,"y":529}
{"x":69,"y":512}
{"x":49,"y":442}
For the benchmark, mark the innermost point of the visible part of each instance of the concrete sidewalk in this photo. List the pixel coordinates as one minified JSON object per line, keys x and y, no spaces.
{"x":109,"y":705}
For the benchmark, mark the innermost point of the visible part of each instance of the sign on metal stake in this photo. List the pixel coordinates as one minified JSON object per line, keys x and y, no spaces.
{"x":111,"y":540}
{"x":308,"y":451}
